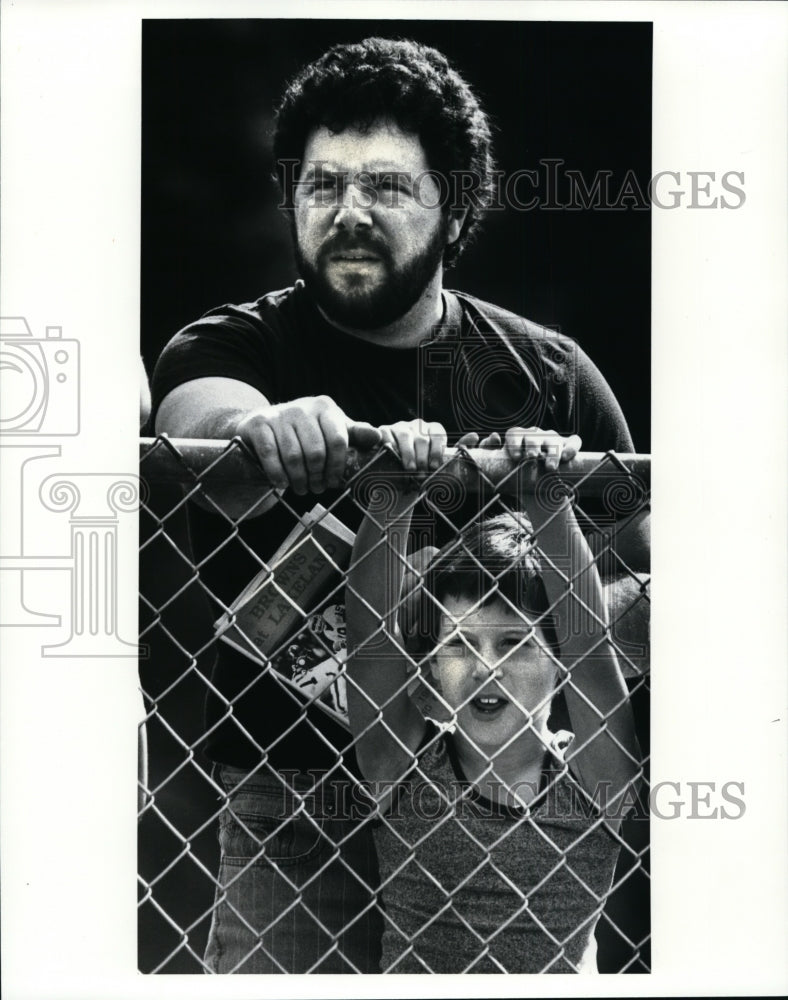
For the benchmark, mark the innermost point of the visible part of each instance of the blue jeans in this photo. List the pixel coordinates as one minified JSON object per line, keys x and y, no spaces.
{"x":297,"y":878}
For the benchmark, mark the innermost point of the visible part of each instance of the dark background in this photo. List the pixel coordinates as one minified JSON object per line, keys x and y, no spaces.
{"x":212,"y":233}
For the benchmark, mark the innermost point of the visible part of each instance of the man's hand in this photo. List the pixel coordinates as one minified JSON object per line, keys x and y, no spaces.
{"x":528,"y":442}
{"x":304,"y":443}
{"x":421,"y":445}
{"x":472,"y":440}
{"x":531,"y":442}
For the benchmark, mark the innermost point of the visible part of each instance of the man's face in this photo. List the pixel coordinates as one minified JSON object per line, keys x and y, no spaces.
{"x":491,"y":667}
{"x":370,"y":232}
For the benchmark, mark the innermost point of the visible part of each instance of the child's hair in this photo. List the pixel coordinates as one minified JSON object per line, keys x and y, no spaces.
{"x":490,"y":559}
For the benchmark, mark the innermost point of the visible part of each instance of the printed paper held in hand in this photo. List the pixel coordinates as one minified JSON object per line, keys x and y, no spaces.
{"x":290,"y":618}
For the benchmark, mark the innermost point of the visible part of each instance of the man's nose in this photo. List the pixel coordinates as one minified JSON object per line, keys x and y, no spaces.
{"x":353,"y":211}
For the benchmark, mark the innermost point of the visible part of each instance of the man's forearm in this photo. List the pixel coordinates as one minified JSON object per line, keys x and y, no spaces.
{"x":209,"y":413}
{"x":218,"y":424}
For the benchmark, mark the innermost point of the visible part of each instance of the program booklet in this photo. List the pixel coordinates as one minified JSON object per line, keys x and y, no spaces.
{"x":291,"y":616}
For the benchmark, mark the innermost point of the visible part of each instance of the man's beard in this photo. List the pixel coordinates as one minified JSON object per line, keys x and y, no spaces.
{"x":374,"y":308}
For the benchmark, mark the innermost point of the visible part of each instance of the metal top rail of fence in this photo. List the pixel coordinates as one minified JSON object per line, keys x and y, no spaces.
{"x":183,"y":460}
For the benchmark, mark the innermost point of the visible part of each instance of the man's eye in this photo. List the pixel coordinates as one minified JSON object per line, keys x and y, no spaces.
{"x":318,"y":184}
{"x":321,"y":189}
{"x":391,"y":186}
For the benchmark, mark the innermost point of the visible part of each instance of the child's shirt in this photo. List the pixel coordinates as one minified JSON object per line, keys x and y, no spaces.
{"x":470,"y":885}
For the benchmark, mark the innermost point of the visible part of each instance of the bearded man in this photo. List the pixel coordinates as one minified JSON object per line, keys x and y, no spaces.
{"x":384,"y":156}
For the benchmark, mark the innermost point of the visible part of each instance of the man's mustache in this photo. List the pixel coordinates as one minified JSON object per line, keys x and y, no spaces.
{"x":343,"y":243}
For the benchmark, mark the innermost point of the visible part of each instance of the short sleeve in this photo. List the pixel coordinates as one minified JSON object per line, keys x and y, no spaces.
{"x":230,"y":342}
{"x":599,"y":420}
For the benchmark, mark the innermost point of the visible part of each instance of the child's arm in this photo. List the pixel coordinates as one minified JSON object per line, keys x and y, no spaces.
{"x":386,"y":724}
{"x":605,"y":755}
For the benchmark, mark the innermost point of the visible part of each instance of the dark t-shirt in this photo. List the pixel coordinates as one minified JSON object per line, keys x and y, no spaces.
{"x":484,"y":369}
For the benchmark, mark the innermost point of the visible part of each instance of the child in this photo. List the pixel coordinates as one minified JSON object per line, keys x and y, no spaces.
{"x":498,"y":839}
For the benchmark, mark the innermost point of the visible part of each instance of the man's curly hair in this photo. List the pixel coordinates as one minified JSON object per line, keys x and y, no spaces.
{"x":411,"y":84}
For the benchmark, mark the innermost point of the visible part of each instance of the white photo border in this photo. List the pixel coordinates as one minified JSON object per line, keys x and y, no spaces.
{"x":70,"y":237}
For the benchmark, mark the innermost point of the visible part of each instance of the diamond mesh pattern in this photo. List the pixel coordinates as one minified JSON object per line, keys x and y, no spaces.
{"x":183,"y":804}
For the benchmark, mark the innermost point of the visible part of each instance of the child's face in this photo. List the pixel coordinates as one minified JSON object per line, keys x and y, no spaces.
{"x":495,"y":668}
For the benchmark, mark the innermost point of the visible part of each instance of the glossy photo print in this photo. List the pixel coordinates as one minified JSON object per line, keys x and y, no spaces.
{"x":344,"y":351}
{"x":396,"y":281}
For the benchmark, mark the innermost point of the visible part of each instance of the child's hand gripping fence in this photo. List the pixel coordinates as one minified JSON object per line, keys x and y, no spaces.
{"x":451,"y":879}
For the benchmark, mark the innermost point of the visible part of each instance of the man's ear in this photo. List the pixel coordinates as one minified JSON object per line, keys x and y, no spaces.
{"x":456,"y":222}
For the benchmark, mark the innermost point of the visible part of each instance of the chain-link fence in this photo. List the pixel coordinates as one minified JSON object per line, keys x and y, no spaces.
{"x":459,"y":872}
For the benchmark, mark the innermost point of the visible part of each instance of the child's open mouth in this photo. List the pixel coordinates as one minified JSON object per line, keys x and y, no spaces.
{"x":488,"y":704}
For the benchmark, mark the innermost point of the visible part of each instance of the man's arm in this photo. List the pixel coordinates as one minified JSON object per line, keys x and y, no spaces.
{"x":300,"y":444}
